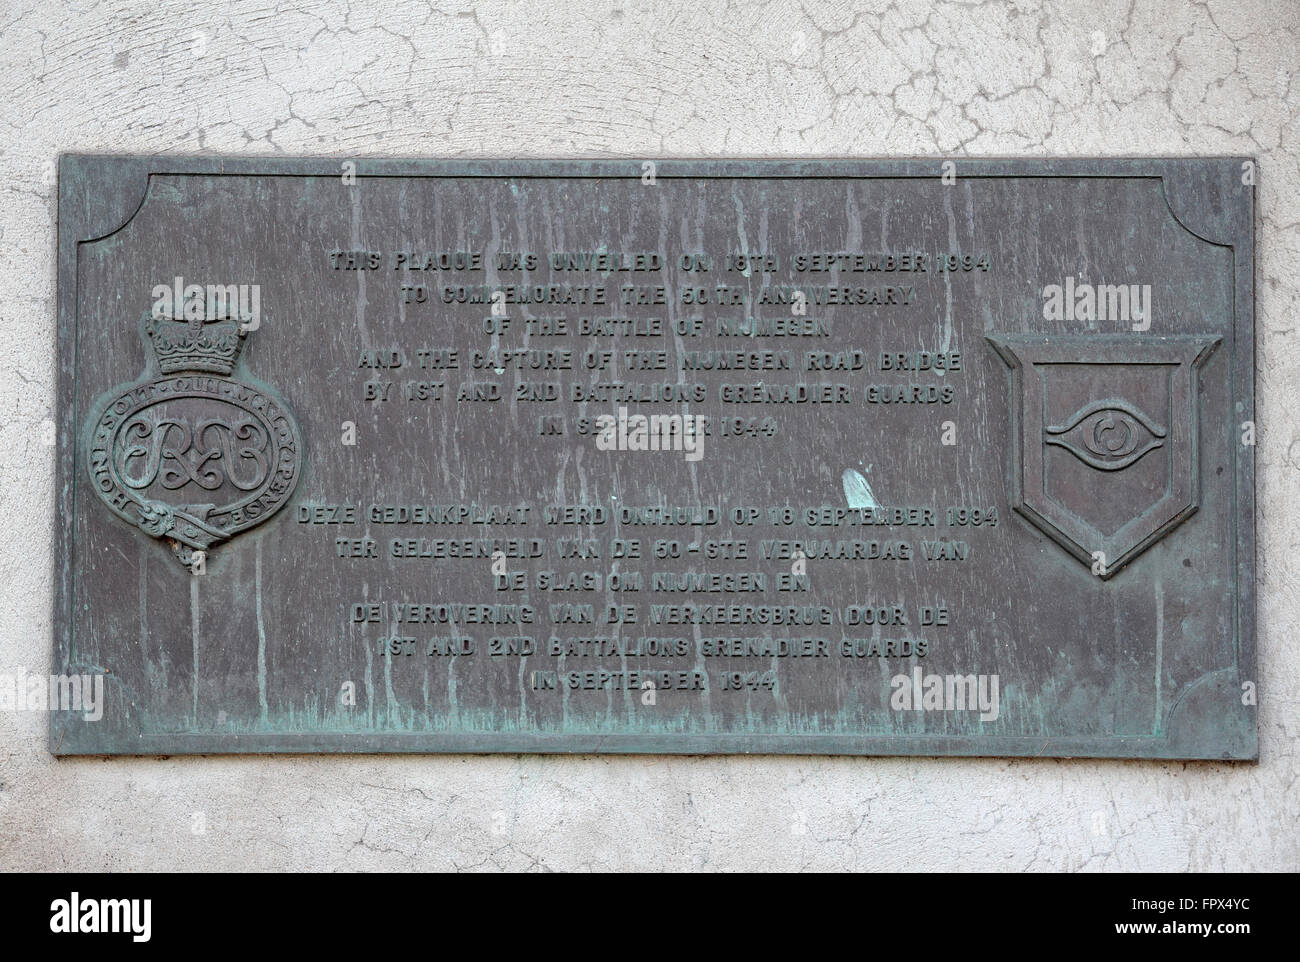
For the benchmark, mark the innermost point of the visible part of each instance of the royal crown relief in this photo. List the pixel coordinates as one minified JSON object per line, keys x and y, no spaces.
{"x":190,"y":453}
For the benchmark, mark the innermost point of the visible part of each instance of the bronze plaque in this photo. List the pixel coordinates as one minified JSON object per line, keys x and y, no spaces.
{"x":825,"y":456}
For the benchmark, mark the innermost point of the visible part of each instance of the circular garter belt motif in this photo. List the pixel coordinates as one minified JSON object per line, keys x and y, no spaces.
{"x":193,"y":456}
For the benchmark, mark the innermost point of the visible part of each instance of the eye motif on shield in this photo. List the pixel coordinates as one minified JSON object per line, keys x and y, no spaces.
{"x":194,"y":455}
{"x":1105,"y":452}
{"x":1107,"y":435}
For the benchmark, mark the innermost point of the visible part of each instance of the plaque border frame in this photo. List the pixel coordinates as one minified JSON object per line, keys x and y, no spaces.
{"x":99,"y":194}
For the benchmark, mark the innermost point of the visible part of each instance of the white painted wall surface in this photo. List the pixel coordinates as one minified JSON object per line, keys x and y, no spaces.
{"x":642,"y":79}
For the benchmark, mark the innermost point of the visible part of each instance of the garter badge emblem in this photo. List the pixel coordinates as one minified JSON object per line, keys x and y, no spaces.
{"x":191,"y":454}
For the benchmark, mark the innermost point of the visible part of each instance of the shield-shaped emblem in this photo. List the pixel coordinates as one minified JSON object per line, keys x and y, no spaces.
{"x":1104,"y":438}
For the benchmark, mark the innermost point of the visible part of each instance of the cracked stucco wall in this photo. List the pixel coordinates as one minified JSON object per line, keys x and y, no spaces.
{"x":641,"y":79}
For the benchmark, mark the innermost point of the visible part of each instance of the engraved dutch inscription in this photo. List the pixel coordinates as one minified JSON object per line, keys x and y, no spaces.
{"x":740,"y":456}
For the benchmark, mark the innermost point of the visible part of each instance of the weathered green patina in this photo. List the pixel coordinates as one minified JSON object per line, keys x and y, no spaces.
{"x":801,"y":456}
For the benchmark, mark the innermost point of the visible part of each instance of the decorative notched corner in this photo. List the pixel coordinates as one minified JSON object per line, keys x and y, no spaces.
{"x":1104,"y":446}
{"x":1212,"y":198}
{"x":1212,"y":720}
{"x":121,"y":186}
